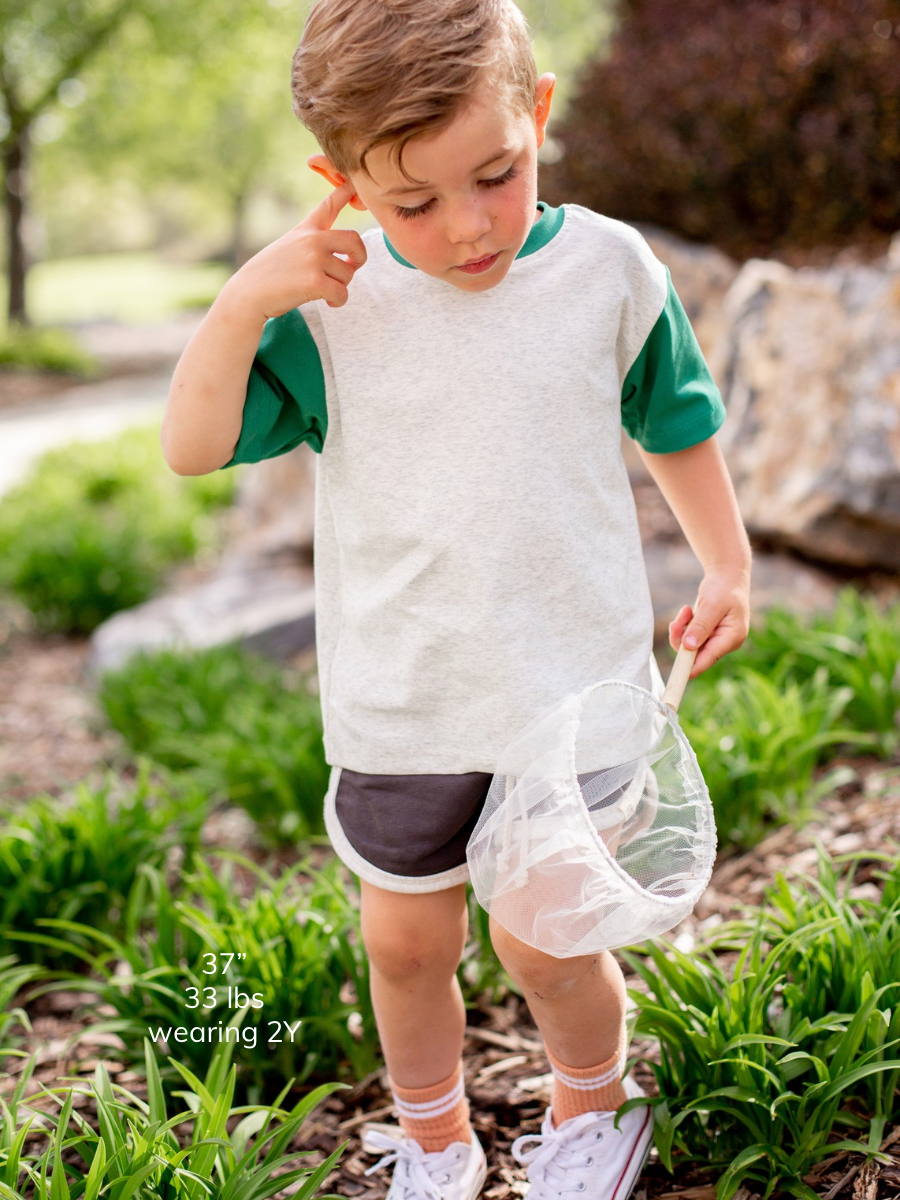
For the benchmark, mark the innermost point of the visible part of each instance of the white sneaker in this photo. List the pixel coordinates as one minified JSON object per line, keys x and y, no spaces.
{"x":587,"y":1154}
{"x":455,"y":1173}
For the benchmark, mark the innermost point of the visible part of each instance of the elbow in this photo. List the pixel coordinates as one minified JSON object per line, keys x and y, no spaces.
{"x":184,"y":462}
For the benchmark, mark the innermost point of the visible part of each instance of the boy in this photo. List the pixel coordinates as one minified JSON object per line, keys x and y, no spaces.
{"x":464,"y":370}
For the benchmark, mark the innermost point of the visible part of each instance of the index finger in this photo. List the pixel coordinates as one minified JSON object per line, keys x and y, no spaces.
{"x":324,"y":215}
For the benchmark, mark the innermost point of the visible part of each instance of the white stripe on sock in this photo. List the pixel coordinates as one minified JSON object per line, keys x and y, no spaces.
{"x":420,"y":1110}
{"x":594,"y":1081}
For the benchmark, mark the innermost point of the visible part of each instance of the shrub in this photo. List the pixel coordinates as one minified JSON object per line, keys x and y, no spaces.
{"x":13,"y":1021}
{"x":244,"y":728}
{"x":136,"y":1152}
{"x":757,"y":126}
{"x":759,"y":742}
{"x":95,"y":527}
{"x":45,"y":350}
{"x":857,"y":645}
{"x":79,"y":860}
{"x":292,"y":951}
{"x":765,"y":720}
{"x":762,"y":1066}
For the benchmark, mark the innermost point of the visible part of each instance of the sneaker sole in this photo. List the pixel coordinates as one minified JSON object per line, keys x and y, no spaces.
{"x":632,"y":1170}
{"x":478,"y":1181}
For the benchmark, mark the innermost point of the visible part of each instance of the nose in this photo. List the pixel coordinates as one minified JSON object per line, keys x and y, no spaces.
{"x":468,"y":220}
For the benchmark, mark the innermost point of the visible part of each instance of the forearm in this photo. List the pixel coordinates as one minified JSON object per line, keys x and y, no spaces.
{"x":202,"y":421}
{"x":698,"y":489}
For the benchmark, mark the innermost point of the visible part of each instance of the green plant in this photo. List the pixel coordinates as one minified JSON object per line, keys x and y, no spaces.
{"x":286,"y":966}
{"x":759,"y":740}
{"x":752,"y":126}
{"x":94,"y":528}
{"x":245,"y":729}
{"x":857,"y":644}
{"x":857,"y":954}
{"x":78,"y":859}
{"x":13,"y":978}
{"x":760,"y":1068}
{"x":136,"y":1154}
{"x":481,"y":974}
{"x":45,"y":350}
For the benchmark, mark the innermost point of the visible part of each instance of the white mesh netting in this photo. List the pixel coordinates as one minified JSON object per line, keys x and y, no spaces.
{"x":597,"y":830}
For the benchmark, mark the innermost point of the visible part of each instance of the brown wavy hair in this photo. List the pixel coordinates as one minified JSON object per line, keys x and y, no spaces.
{"x":371,"y":72}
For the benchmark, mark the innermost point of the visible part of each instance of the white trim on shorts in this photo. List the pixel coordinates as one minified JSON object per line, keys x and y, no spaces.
{"x":375,"y":875}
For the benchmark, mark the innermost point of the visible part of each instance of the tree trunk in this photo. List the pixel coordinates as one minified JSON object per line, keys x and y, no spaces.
{"x":15,"y":171}
{"x":238,"y":250}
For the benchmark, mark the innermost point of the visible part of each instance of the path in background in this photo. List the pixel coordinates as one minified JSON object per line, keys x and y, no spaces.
{"x":85,"y":413}
{"x":137,"y":361}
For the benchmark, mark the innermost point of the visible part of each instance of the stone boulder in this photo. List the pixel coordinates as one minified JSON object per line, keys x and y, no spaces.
{"x":261,"y":594}
{"x":268,"y":609}
{"x":810,"y":371}
{"x":701,"y":276}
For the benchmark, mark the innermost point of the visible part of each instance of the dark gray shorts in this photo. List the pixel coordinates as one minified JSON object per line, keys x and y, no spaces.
{"x":404,"y":833}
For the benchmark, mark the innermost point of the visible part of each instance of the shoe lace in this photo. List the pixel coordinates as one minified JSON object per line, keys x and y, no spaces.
{"x":416,"y":1173}
{"x":553,"y":1155}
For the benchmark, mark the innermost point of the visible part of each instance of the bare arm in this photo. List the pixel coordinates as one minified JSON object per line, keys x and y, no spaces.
{"x":203,"y":416}
{"x":698,"y":489}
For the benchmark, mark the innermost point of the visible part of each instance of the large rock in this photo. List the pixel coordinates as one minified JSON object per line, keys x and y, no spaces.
{"x":276,"y":510}
{"x":701,"y":276}
{"x":269,"y":609}
{"x":810,"y":371}
{"x":260,"y":595}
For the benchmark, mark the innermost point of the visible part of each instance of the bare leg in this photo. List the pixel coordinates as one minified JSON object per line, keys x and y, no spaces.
{"x":577,"y":1003}
{"x":415,"y":942}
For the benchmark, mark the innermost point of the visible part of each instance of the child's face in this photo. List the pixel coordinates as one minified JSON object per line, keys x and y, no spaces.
{"x":469,"y":217}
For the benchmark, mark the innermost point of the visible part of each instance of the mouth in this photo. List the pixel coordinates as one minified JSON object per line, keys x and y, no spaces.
{"x":477,"y":265}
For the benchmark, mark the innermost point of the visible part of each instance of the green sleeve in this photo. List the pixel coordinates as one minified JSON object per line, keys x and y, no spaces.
{"x":669,"y":399}
{"x":285,"y":402}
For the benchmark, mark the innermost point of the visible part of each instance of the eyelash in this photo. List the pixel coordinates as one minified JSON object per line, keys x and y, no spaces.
{"x":498,"y":181}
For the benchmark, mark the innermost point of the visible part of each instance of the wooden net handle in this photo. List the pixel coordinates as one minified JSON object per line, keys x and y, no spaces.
{"x":678,"y":678}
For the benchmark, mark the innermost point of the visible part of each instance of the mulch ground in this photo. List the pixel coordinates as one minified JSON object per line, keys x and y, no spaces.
{"x":52,"y":736}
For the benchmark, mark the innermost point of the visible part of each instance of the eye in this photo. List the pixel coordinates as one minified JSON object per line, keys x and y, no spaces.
{"x":499,"y":180}
{"x":406,"y":213}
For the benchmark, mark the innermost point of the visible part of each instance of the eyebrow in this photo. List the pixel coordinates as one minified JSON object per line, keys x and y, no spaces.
{"x":421,"y":187}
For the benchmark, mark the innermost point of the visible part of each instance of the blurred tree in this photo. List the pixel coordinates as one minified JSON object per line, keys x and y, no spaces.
{"x":146,"y":88}
{"x":44,"y":47}
{"x":758,"y":125}
{"x":566,"y":32}
{"x":205,"y":109}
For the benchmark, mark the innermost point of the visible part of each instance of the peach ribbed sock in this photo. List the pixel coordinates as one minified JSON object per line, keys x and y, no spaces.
{"x":579,"y":1090}
{"x":435,"y":1116}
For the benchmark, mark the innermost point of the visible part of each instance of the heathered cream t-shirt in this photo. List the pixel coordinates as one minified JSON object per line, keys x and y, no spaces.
{"x":477,"y":552}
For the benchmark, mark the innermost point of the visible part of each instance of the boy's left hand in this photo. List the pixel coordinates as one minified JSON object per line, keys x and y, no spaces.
{"x":720,"y":619}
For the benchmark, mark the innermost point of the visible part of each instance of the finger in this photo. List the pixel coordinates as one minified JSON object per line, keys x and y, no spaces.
{"x":713,"y":649}
{"x":339,"y":269}
{"x":324,"y":215}
{"x":678,"y":626}
{"x":334,"y":293}
{"x":698,"y":629}
{"x":349,"y":243}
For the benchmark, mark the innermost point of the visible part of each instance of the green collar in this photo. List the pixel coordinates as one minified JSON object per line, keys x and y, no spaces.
{"x":544,"y":230}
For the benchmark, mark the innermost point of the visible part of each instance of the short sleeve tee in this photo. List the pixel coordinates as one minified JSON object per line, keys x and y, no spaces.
{"x":477,"y":551}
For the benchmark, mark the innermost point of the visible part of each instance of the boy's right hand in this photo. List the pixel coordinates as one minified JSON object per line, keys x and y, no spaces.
{"x":302,"y":265}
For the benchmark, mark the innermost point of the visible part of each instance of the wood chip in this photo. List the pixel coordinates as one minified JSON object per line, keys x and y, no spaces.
{"x":505,"y":1064}
{"x":363,"y":1118}
{"x":506,"y":1041}
{"x":865,"y":1186}
{"x":705,"y":1191}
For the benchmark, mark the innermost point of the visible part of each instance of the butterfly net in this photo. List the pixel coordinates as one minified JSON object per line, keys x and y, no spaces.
{"x":597,"y":831}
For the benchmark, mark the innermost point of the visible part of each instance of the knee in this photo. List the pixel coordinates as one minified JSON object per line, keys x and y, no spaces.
{"x":535,"y":972}
{"x":401,"y":950}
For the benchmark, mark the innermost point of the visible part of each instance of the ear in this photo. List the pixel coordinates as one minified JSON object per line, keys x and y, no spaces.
{"x":322,"y":165}
{"x":543,"y":95}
